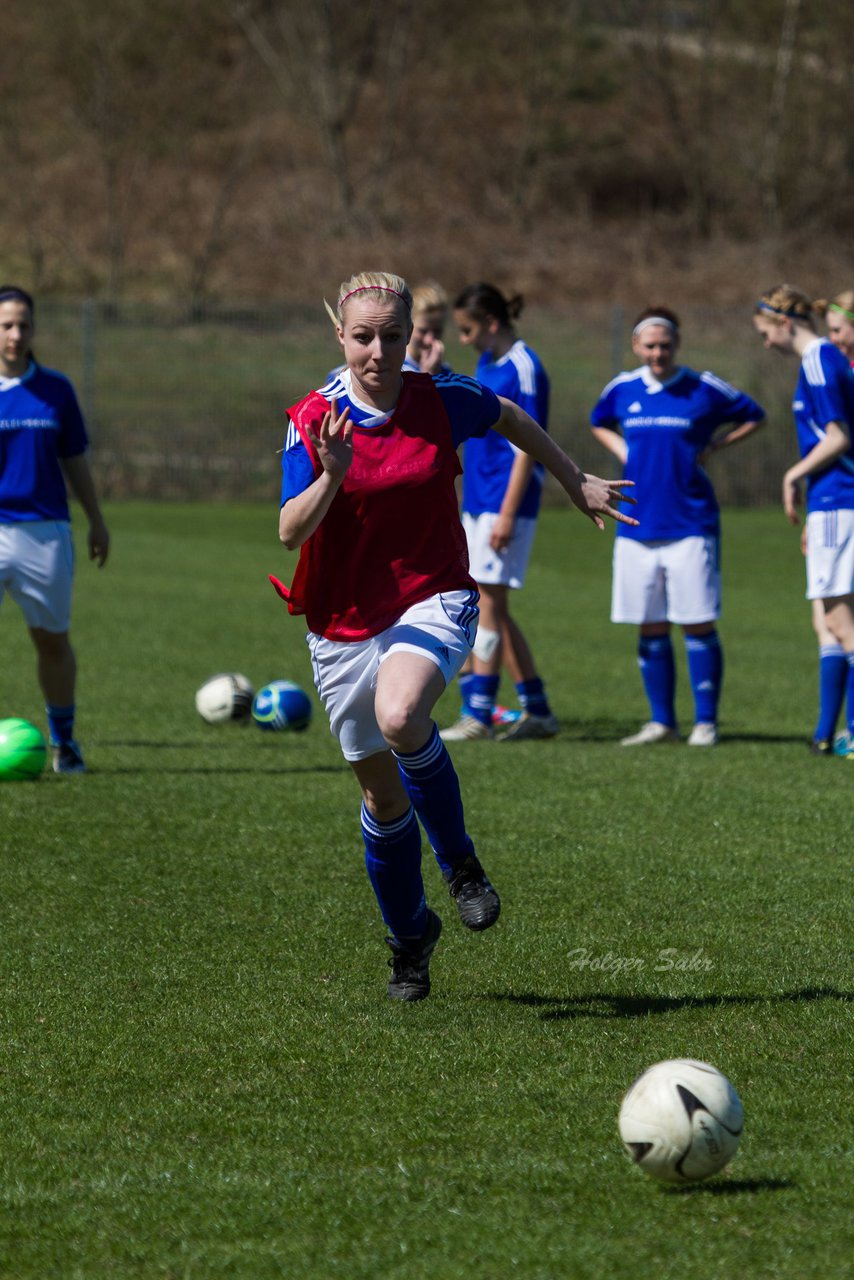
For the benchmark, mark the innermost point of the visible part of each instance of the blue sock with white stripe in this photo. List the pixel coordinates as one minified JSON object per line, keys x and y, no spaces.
{"x":850,"y":708}
{"x":464,"y":681}
{"x":706,"y":671}
{"x":430,"y":780}
{"x":481,"y":692}
{"x":60,"y":721}
{"x":532,"y":697}
{"x":658,"y":669}
{"x":393,"y":862}
{"x":832,"y":683}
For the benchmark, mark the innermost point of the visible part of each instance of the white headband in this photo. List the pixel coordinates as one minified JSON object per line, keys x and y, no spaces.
{"x":648,"y":320}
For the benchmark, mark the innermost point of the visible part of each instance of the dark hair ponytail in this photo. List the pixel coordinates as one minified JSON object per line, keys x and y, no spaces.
{"x":485,"y":302}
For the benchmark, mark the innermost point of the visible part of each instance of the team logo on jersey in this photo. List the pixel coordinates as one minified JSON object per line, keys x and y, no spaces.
{"x":635,"y":408}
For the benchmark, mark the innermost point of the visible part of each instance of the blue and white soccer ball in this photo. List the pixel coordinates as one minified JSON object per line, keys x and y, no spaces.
{"x":281,"y":705}
{"x":681,"y":1121}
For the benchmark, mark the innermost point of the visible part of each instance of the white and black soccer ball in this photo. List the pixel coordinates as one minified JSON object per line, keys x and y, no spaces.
{"x":681,"y":1121}
{"x":225,"y":697}
{"x":281,"y":704}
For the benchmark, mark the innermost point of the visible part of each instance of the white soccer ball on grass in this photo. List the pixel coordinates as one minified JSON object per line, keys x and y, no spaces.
{"x":225,"y":697}
{"x":681,"y":1121}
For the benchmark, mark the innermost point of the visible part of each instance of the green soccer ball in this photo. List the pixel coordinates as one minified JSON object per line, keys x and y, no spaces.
{"x":22,"y":750}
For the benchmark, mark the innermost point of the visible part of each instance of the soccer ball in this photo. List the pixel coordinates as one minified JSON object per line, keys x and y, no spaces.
{"x":22,"y":750}
{"x":681,"y":1121}
{"x":281,"y":705}
{"x":225,"y":697}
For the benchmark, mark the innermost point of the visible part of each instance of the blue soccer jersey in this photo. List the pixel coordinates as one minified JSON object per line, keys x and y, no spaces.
{"x":825,"y":393}
{"x":487,"y":462}
{"x":471,"y":409}
{"x":40,"y":423}
{"x":666,"y":427}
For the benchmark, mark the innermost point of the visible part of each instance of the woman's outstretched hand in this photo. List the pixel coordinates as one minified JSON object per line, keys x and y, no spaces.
{"x":595,"y":498}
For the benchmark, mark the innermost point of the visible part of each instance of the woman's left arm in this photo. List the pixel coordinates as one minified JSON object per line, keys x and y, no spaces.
{"x":79,"y":477}
{"x":593,"y":497}
{"x":739,"y":433}
{"x":836,"y":442}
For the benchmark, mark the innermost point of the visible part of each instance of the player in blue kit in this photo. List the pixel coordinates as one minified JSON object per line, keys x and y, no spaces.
{"x":832,"y":662}
{"x":43,"y":444}
{"x":502,"y":488}
{"x":823,"y":409}
{"x":663,"y":421}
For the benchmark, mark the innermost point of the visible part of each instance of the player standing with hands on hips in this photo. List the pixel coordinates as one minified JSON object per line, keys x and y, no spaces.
{"x":661,"y":421}
{"x":824,"y":420}
{"x":368,"y":497}
{"x":43,"y":444}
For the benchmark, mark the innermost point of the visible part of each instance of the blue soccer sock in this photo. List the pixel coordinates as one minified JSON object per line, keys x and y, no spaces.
{"x":393,"y":862}
{"x":481,"y":692}
{"x":532,"y":697}
{"x":658,"y":670}
{"x":832,"y":683}
{"x":60,"y":722}
{"x":465,"y":681}
{"x":706,"y":670}
{"x":430,"y":780}
{"x":850,"y":707}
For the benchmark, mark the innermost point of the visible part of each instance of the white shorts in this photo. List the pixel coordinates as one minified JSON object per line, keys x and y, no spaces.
{"x":37,"y":568}
{"x":830,"y":554}
{"x":674,"y":581}
{"x":441,"y":628}
{"x":498,"y":568}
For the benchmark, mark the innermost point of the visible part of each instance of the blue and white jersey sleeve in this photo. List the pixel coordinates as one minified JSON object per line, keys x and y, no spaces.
{"x":825,"y":394}
{"x":472,"y":410}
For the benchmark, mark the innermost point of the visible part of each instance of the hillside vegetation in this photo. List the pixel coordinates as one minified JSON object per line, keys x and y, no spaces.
{"x":570,"y":148}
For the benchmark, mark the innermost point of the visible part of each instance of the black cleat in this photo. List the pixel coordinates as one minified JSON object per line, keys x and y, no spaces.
{"x":67,"y":758}
{"x":410,"y":962}
{"x":477,"y":902}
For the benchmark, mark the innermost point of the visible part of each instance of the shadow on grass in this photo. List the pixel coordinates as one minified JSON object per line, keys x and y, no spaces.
{"x":732,"y":1187}
{"x":612,"y":731}
{"x":602,"y":1004}
{"x":255,"y":770}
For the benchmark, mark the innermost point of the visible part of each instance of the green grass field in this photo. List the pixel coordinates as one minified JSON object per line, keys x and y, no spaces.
{"x":201,"y":1075}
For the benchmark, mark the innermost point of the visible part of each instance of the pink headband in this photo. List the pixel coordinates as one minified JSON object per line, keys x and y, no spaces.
{"x":368,"y":288}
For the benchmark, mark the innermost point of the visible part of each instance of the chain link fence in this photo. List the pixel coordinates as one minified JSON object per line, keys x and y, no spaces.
{"x":189,"y":403}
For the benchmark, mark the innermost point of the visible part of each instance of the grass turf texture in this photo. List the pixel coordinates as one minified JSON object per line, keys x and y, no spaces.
{"x":201,"y":1073}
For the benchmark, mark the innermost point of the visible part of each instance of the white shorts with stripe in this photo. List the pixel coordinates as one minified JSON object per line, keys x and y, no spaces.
{"x":498,"y":568}
{"x":830,"y":554}
{"x":674,"y":581}
{"x":441,"y":629}
{"x":37,"y":569}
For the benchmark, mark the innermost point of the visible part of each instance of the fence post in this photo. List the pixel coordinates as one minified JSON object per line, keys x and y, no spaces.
{"x":87,"y":342}
{"x":616,"y":339}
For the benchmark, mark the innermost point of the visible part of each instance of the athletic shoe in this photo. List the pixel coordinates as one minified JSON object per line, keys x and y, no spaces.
{"x":821,"y":747}
{"x":531,"y":726}
{"x":843,"y":745}
{"x":67,"y":758}
{"x":410,"y":962}
{"x":650,"y":734}
{"x":467,"y":728}
{"x":503,"y":716}
{"x":477,"y":902}
{"x":704,"y":734}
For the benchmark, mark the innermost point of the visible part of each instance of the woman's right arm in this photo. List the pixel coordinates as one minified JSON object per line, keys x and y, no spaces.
{"x":613,"y":442}
{"x":300,"y":516}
